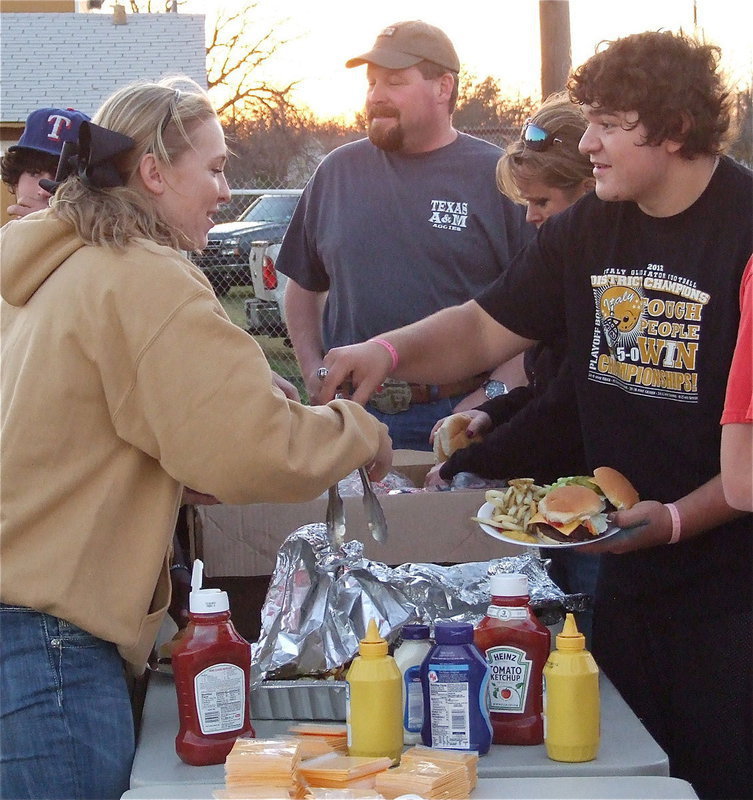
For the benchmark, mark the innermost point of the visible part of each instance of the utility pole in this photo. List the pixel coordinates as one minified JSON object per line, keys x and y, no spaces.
{"x":554,"y":26}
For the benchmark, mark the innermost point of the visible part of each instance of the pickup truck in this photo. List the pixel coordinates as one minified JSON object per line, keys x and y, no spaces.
{"x":265,"y":313}
{"x":225,"y":259}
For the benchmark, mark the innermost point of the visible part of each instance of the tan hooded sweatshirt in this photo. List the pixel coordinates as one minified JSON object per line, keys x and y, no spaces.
{"x":123,"y":380}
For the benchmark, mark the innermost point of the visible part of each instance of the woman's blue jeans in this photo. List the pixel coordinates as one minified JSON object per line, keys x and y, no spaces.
{"x":66,"y":726}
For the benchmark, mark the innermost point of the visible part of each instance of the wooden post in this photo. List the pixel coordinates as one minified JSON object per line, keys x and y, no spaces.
{"x":554,"y":25}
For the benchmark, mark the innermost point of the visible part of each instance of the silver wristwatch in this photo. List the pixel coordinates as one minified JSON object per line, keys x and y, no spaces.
{"x":493,"y":388}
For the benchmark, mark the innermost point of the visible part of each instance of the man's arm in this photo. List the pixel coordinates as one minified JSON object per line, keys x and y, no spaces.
{"x":737,"y":464}
{"x":512,"y":373}
{"x":444,"y":347}
{"x":701,"y":510}
{"x":303,"y":316}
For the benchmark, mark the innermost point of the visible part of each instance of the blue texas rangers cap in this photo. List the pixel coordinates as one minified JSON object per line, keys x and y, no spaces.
{"x":47,"y":128}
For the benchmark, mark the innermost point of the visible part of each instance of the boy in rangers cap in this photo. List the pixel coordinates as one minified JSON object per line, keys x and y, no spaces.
{"x":36,"y":154}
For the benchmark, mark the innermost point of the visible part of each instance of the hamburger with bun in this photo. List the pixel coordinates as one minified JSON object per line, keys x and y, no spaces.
{"x":451,"y":436}
{"x":575,"y":509}
{"x":616,"y":488}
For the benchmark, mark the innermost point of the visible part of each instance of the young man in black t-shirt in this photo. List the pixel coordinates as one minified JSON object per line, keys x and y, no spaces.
{"x":642,"y":279}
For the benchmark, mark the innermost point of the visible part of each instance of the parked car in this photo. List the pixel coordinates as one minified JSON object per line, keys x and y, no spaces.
{"x":225,"y":259}
{"x":265,"y":312}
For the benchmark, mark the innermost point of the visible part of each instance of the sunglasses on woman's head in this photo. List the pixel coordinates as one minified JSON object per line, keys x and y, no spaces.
{"x":537,"y":138}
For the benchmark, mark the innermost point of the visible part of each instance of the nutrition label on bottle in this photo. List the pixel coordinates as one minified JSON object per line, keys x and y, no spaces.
{"x":220,"y":697}
{"x":448,"y":695}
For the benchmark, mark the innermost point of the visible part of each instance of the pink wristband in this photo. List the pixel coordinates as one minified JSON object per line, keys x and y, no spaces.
{"x":676,"y":525}
{"x":390,"y":349}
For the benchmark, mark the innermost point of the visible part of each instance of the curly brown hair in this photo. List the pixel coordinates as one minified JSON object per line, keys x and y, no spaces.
{"x":15,"y":162}
{"x":670,"y":79}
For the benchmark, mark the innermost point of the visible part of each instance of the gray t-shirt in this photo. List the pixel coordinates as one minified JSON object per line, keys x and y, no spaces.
{"x":394,"y":237}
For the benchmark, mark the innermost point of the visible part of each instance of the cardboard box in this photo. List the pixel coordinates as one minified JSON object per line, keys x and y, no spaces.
{"x":430,"y":527}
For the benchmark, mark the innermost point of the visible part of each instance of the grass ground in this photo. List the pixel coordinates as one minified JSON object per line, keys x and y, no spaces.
{"x":234,"y":303}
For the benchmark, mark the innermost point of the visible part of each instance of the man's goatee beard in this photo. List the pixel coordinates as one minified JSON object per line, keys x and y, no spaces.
{"x":390,"y":140}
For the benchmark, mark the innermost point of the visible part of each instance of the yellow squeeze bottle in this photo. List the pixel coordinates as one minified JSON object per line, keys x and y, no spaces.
{"x":571,"y":704}
{"x":374,"y":700}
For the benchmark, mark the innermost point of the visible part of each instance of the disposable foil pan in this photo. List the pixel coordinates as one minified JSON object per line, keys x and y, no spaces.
{"x":299,"y":699}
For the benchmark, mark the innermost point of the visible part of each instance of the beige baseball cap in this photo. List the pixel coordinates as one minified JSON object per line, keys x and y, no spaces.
{"x":404,"y":44}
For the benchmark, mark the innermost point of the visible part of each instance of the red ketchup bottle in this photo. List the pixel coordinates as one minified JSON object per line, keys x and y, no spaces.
{"x":212,"y":669}
{"x":516,"y":647}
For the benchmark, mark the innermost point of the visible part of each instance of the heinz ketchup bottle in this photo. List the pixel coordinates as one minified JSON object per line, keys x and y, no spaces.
{"x":212,"y":669}
{"x":516,"y":646}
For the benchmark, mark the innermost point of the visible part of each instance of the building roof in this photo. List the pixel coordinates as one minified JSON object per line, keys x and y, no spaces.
{"x":78,"y":60}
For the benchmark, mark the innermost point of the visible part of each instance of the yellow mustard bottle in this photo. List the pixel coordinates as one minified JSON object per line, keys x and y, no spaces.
{"x":374,"y":700}
{"x":571,"y":701}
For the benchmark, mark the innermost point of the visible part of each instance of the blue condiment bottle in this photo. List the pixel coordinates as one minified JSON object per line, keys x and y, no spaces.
{"x":454,"y":677}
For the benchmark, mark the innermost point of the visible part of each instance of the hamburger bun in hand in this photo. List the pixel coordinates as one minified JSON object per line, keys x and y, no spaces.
{"x":452,"y":435}
{"x":615,"y":487}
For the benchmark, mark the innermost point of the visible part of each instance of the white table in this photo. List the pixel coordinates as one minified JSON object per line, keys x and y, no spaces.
{"x":626,"y":746}
{"x":613,"y":787}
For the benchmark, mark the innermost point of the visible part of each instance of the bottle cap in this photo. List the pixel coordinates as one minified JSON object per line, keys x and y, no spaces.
{"x":508,"y":584}
{"x":372,"y":645}
{"x":570,"y":638}
{"x":453,"y":632}
{"x":205,"y":601}
{"x":415,"y":632}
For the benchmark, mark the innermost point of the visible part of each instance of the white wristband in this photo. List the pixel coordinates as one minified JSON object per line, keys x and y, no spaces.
{"x":676,"y":523}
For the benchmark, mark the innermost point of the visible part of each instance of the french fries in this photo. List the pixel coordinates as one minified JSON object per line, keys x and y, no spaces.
{"x":514,"y":507}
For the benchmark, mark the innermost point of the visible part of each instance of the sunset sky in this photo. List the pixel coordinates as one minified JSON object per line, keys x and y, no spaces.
{"x":493,"y":37}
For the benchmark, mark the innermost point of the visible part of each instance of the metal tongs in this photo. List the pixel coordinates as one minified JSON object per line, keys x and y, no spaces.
{"x":335,"y":518}
{"x":374,"y":514}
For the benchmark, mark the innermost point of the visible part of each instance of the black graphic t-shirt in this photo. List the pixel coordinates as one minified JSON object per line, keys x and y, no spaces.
{"x":650,"y":308}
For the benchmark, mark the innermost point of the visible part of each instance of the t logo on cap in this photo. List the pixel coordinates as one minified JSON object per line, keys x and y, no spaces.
{"x":48,"y":128}
{"x":58,"y":121}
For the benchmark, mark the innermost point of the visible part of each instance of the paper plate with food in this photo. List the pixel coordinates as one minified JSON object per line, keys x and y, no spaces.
{"x":568,"y":513}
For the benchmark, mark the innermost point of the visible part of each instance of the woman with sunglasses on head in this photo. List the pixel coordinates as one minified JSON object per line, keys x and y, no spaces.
{"x":124,"y":380}
{"x":534,"y":430}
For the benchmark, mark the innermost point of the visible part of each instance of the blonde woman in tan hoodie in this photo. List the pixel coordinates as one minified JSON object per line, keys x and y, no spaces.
{"x":123,"y":381}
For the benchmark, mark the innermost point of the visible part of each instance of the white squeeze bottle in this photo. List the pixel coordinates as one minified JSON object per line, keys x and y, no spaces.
{"x":408,"y":657}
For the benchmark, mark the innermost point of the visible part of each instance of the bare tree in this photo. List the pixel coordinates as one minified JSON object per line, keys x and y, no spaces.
{"x":274,"y":152}
{"x":233,"y":64}
{"x":742,"y":144}
{"x":234,"y":60}
{"x":481,"y":105}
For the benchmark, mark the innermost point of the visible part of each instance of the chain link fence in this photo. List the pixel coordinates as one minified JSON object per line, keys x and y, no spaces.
{"x":240,"y":257}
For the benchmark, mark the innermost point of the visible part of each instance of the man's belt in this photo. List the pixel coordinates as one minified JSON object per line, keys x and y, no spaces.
{"x":396,"y":396}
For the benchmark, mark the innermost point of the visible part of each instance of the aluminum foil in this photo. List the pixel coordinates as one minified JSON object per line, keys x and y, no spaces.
{"x":320,"y":601}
